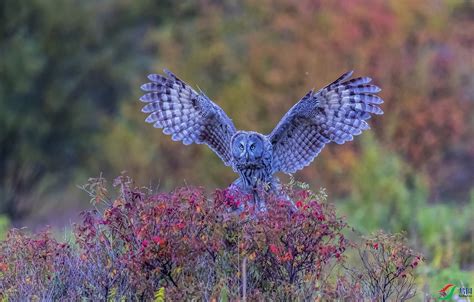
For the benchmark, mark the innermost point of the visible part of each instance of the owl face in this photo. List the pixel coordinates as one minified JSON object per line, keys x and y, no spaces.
{"x":248,"y":148}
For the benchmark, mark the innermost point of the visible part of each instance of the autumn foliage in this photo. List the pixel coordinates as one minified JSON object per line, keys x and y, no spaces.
{"x":140,"y":244}
{"x":386,"y":272}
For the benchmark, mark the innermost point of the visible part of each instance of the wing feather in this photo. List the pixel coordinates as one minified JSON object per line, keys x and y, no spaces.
{"x":187,"y":115}
{"x":335,"y":113}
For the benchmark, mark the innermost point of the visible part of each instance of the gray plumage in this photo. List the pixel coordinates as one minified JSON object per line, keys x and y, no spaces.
{"x":336,"y":113}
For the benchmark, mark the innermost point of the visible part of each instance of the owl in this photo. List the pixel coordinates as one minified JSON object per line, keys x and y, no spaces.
{"x":336,"y":113}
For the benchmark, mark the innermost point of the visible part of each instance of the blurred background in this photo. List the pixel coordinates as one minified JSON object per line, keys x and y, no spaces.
{"x":69,"y":87}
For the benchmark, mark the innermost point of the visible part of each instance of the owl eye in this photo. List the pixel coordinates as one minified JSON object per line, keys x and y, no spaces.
{"x":241,"y":147}
{"x":252,"y":147}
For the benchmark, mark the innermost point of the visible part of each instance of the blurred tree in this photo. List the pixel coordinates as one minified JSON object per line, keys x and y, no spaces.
{"x":64,"y":65}
{"x":385,"y":193}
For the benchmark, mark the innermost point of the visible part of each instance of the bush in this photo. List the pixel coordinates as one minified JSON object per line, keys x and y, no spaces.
{"x":184,"y":245}
{"x":387,"y":268}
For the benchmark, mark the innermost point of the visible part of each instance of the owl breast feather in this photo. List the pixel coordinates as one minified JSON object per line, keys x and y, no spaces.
{"x":254,"y":175}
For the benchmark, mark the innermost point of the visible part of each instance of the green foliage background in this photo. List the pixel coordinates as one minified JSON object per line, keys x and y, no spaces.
{"x":70,"y":72}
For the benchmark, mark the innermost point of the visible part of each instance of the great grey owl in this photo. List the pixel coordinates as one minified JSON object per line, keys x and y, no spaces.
{"x":335,"y":113}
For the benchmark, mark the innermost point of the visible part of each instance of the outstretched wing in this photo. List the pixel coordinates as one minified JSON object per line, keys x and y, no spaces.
{"x":335,"y":113}
{"x":186,"y":115}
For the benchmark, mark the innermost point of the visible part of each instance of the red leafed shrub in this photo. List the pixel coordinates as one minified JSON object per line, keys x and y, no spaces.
{"x":387,"y":268}
{"x":189,"y":246}
{"x":194,"y":246}
{"x":291,"y":252}
{"x":30,"y":264}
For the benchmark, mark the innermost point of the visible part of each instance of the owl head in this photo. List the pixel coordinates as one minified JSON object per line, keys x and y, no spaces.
{"x":250,"y":148}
